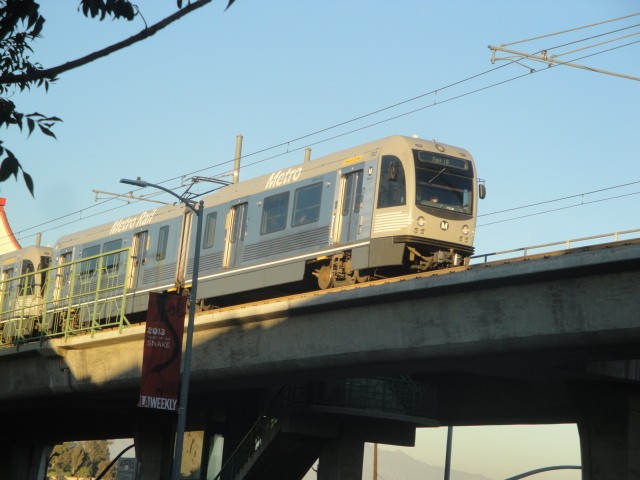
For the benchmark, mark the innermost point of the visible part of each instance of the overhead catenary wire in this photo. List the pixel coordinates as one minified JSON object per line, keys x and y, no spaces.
{"x":542,"y":55}
{"x":581,"y":204}
{"x":592,"y":37}
{"x":80,"y":212}
{"x":570,"y":30}
{"x":569,"y":197}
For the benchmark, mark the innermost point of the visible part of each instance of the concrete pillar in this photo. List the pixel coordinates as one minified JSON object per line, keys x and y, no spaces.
{"x":154,"y":440}
{"x":609,"y":428}
{"x":23,"y":461}
{"x":341,"y":459}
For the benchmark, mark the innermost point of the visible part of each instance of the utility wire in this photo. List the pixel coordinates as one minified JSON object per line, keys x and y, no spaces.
{"x":349,"y":121}
{"x":559,"y":209}
{"x":593,"y":37}
{"x":578,"y":195}
{"x":273,"y":147}
{"x":570,"y":30}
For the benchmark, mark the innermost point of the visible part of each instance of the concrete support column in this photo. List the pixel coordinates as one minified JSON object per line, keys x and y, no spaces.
{"x":24,"y":461}
{"x":341,"y":459}
{"x":609,"y":429}
{"x":154,"y":440}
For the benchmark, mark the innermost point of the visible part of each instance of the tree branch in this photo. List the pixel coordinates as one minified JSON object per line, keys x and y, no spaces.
{"x":147,"y":32}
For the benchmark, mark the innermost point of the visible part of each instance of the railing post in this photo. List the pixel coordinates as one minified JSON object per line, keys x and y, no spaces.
{"x":122,"y":318}
{"x":72,"y":286}
{"x":96,"y":300}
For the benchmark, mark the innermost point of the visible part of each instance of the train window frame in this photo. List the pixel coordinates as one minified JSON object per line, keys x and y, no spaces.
{"x":87,"y":267}
{"x":163,"y":241}
{"x":111,"y":262}
{"x":443,"y":190}
{"x":306,"y":209}
{"x":352,"y":192}
{"x":392,"y":186}
{"x":210,"y":224}
{"x":27,"y":282}
{"x":275,"y":211}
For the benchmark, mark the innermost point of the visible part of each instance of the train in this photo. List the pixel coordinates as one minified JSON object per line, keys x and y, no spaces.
{"x":395,"y":205}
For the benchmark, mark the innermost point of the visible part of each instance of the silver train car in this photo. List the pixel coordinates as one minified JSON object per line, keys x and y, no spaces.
{"x":23,"y":281}
{"x":395,"y":205}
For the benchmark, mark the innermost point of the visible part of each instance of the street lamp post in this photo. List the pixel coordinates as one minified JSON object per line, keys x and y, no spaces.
{"x":196,"y":208}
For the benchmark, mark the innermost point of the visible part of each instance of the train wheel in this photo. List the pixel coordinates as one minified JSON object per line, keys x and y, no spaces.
{"x":361,"y":276}
{"x":326,"y":278}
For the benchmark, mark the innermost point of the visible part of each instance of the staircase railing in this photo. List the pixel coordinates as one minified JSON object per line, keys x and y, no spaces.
{"x":258,"y":436}
{"x":390,"y":396}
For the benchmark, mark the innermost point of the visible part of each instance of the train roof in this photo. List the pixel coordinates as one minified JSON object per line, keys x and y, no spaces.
{"x":133,"y":223}
{"x":328,"y":163}
{"x":313,"y":168}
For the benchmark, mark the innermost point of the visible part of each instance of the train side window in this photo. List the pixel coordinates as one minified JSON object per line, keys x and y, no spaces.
{"x":306,"y":205}
{"x":89,"y":266}
{"x":209,"y":230}
{"x":392,"y":188}
{"x":112,"y":262}
{"x":28,"y":281}
{"x":274,"y":213}
{"x":163,"y":240}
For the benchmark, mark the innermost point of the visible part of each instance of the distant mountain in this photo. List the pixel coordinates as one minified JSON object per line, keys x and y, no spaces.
{"x":396,"y":465}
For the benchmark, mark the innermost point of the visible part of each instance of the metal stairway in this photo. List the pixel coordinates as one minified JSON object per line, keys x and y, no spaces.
{"x":289,"y":436}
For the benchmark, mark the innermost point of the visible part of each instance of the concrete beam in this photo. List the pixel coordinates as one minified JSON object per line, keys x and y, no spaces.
{"x":584,"y":302}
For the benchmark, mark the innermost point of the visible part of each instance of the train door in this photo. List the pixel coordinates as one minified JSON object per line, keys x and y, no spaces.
{"x":236,"y":228}
{"x":348,"y":207}
{"x":63,"y":277}
{"x":138,"y":249}
{"x":184,"y":251}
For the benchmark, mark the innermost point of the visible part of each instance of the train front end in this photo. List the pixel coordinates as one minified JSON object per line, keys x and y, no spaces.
{"x":427,"y":204}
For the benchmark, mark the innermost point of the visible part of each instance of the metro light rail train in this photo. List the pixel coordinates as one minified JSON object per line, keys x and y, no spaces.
{"x":392,"y":206}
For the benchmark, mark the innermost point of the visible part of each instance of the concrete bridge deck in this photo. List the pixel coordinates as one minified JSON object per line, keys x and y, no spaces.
{"x":550,"y":338}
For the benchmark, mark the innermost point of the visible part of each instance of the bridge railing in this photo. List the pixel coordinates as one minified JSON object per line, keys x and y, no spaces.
{"x":553,"y":246}
{"x":83,"y":296}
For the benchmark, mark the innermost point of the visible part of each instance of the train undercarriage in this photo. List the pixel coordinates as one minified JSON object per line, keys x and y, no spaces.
{"x":337,"y":270}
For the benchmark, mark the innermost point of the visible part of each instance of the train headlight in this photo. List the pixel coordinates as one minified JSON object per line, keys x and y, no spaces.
{"x":421,"y":221}
{"x":465,"y":229}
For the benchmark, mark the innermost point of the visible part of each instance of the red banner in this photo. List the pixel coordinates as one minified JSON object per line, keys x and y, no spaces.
{"x":160,"y":378}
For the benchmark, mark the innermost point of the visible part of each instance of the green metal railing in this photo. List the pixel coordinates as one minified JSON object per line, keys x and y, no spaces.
{"x":83,"y":296}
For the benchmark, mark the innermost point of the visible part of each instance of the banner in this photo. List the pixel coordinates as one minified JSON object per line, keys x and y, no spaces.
{"x":160,"y":378}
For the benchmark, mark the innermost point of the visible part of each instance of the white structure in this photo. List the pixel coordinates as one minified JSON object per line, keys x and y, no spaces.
{"x":8,"y":242}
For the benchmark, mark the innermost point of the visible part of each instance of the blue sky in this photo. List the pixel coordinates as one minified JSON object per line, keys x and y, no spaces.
{"x":278,"y":71}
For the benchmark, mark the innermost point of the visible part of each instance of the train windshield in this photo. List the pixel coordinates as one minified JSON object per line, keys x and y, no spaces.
{"x":443,"y":182}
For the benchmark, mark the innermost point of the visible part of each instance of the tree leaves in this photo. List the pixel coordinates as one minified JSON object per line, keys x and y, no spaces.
{"x":87,"y":459}
{"x":11,"y":166}
{"x":114,"y":8}
{"x":16,"y":12}
{"x":20,"y":23}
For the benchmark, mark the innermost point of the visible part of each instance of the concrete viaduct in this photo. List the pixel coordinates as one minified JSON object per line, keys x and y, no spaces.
{"x":544,"y":339}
